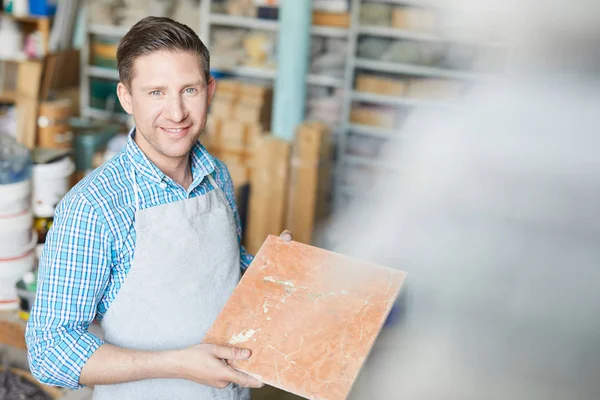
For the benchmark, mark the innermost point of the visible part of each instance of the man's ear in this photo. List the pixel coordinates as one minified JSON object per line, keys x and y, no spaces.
{"x":212,"y":86}
{"x":124,"y":98}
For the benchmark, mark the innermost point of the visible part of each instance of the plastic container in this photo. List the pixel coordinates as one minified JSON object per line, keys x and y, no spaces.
{"x":15,"y":161}
{"x":42,"y":227}
{"x":103,"y":95}
{"x":11,"y":271}
{"x":42,"y":7}
{"x":104,"y":51}
{"x":15,"y":198}
{"x":20,"y":8}
{"x":89,"y":138}
{"x":16,"y":235}
{"x":50,"y":184}
{"x":12,"y":38}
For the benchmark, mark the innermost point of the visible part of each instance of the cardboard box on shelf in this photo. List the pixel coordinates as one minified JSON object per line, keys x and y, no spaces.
{"x":233,"y":157}
{"x":228,"y":85}
{"x":256,"y":91}
{"x":434,"y":89}
{"x":413,"y":18}
{"x":254,"y":132}
{"x":211,"y":136}
{"x":54,"y":131}
{"x":72,"y":94}
{"x":374,"y":116}
{"x":239,"y":172}
{"x":222,"y":107}
{"x":251,"y":113}
{"x":227,"y":89}
{"x":380,"y":85}
{"x":341,"y":20}
{"x":234,"y":131}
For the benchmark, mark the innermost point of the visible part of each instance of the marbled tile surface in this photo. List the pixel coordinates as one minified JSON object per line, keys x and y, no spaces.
{"x":309,"y":316}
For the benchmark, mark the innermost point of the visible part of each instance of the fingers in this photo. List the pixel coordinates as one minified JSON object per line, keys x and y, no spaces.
{"x":230,"y":353}
{"x":244,"y":380}
{"x":286,"y":235}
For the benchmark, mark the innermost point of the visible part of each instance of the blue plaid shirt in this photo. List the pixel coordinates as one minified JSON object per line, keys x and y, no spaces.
{"x":89,"y":250}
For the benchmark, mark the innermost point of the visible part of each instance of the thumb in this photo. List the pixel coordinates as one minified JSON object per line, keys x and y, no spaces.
{"x":230,"y":353}
{"x":286,"y":236}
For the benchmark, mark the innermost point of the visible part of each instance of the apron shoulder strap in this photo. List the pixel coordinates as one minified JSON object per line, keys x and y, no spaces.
{"x":135,"y":189}
{"x":212,"y":181}
{"x":220,"y":193}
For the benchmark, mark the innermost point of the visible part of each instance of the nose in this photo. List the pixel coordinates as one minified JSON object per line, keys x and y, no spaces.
{"x":175,"y":109}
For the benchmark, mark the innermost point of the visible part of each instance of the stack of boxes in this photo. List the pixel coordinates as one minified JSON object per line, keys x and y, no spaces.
{"x":288,"y":183}
{"x":240,"y":113}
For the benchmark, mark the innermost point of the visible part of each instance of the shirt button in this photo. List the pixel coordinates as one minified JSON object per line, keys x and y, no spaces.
{"x":163,"y":185}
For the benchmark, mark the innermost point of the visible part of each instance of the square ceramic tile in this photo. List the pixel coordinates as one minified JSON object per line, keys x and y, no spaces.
{"x":309,"y":316}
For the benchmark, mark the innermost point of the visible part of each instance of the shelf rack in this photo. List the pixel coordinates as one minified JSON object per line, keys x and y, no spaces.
{"x":208,"y":19}
{"x":216,"y":19}
{"x":354,"y":63}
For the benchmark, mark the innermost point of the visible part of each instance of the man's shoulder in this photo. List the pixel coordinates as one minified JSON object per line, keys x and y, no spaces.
{"x":106,"y":189}
{"x":221,"y":172}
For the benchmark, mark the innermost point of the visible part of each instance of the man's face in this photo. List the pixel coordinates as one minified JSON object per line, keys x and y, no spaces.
{"x":169,"y":99}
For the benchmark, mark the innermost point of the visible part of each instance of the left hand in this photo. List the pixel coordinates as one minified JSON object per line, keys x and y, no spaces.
{"x":286,"y":236}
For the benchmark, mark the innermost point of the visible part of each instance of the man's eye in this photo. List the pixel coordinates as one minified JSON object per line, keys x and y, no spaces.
{"x":190,"y":90}
{"x":155,"y":92}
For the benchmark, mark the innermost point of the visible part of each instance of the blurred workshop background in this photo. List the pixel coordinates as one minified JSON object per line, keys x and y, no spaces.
{"x":310,"y":94}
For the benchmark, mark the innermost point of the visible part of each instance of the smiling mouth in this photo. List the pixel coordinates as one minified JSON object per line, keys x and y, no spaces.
{"x":175,"y":130}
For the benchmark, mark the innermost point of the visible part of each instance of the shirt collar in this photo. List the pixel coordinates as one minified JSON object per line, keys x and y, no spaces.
{"x":202,"y":163}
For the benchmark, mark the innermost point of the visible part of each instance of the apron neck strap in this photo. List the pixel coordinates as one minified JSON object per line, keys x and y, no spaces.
{"x":212,"y":181}
{"x":136,"y":189}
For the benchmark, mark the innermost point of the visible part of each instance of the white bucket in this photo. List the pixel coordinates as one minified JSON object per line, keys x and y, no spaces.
{"x":11,"y":271}
{"x":50,"y":184}
{"x":15,"y":198}
{"x":16,"y":235}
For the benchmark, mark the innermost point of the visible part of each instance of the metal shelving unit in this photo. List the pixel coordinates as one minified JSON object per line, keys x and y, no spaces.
{"x":216,"y":19}
{"x":204,"y":28}
{"x":207,"y":19}
{"x":354,"y":62}
{"x":270,"y":25}
{"x":399,"y":101}
{"x":418,"y":70}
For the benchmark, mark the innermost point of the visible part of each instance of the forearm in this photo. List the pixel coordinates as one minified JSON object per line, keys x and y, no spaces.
{"x":111,"y":365}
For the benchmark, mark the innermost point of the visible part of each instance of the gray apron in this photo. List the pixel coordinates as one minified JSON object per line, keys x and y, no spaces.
{"x":185,"y":267}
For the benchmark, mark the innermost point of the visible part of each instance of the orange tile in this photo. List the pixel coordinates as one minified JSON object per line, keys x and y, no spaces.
{"x":309,"y":316}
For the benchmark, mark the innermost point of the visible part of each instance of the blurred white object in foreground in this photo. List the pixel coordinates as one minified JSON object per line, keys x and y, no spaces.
{"x":495,"y":214}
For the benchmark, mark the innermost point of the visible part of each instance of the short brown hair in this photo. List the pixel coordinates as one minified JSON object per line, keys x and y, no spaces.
{"x":153,"y":34}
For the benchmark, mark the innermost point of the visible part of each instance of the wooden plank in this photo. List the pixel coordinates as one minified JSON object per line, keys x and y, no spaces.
{"x":27,"y":111}
{"x":9,"y":96}
{"x":268,"y":191}
{"x":28,"y":88}
{"x":30,"y":78}
{"x":12,"y":333}
{"x":309,"y":180}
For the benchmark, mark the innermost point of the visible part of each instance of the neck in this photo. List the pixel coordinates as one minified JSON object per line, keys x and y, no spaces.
{"x":176,"y":168}
{"x":180,"y":171}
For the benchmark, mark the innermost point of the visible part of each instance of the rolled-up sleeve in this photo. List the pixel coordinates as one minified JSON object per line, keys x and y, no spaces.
{"x":73,"y":274}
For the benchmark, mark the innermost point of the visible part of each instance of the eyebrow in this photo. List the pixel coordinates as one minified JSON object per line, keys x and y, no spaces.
{"x":150,"y":88}
{"x":164,"y":88}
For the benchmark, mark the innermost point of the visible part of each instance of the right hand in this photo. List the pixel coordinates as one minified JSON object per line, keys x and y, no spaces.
{"x":207,"y":364}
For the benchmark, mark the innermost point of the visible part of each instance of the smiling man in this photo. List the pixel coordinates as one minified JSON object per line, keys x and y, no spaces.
{"x":149,"y":243}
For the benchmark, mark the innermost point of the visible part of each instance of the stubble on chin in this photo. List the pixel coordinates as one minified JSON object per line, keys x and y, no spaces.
{"x":164,"y":150}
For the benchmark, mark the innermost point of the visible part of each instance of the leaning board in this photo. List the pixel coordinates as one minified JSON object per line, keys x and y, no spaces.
{"x":309,"y":316}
